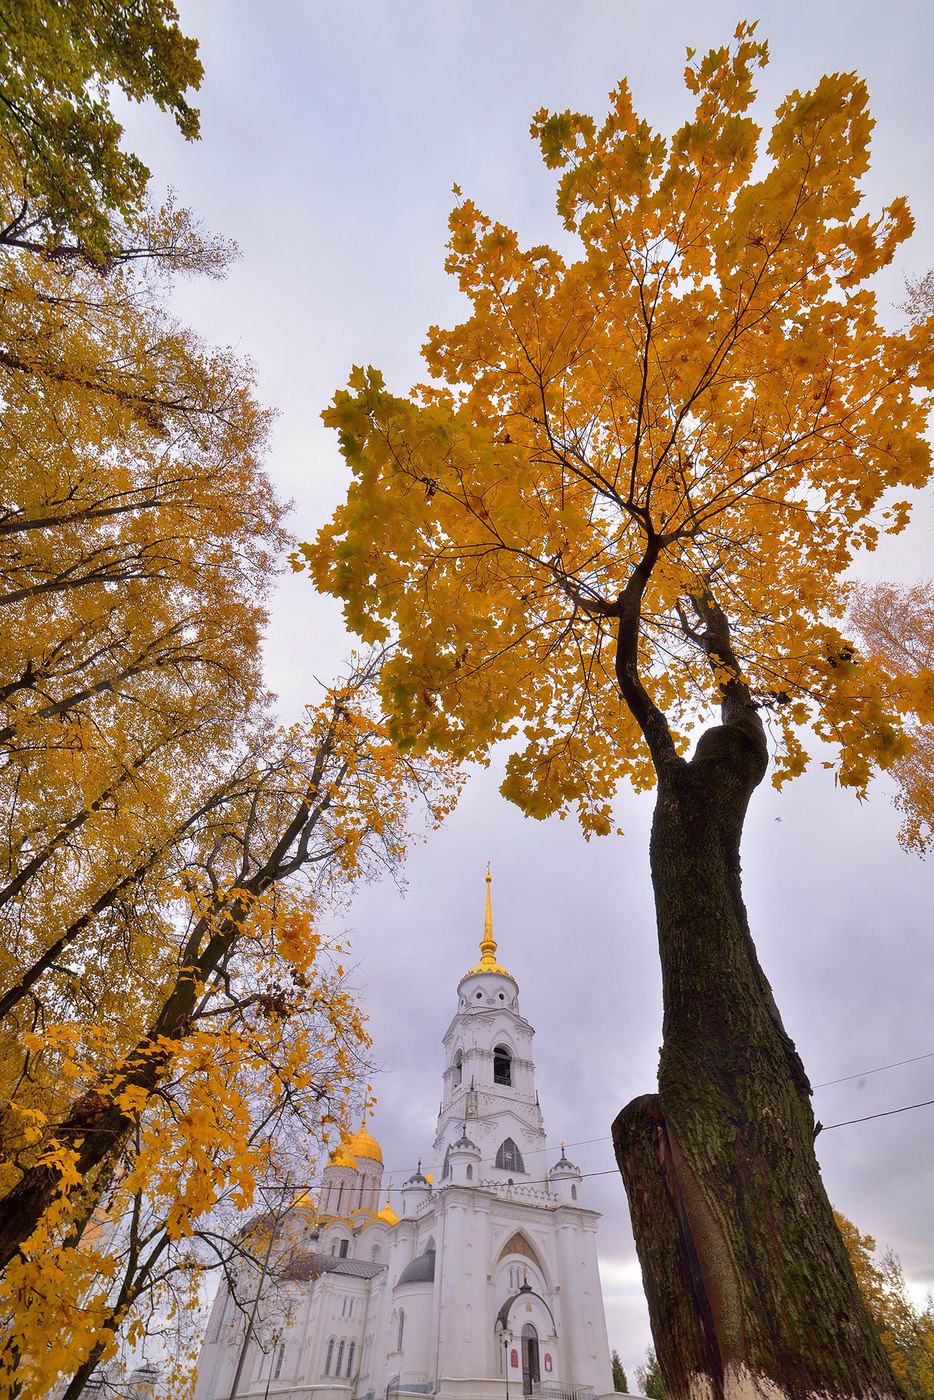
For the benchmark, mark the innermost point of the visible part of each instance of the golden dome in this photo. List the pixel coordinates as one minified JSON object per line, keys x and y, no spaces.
{"x":363,"y":1145}
{"x":343,"y":1157}
{"x":488,"y":961}
{"x":388,"y":1214}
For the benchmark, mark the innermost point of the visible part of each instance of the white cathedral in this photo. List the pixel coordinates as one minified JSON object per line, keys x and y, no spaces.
{"x":486,"y":1285}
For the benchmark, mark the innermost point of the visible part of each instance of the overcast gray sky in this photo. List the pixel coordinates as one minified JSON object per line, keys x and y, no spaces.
{"x":332,"y":134}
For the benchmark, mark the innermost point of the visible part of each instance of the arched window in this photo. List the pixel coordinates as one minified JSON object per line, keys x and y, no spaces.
{"x":573,"y":1193}
{"x":469,"y":1172}
{"x":329,"y":1358}
{"x":502,"y":1065}
{"x":401,"y":1329}
{"x":280,"y":1357}
{"x":340,"y":1358}
{"x":509,"y":1158}
{"x":350,"y":1356}
{"x":342,"y":1251}
{"x":458,"y":1068}
{"x":446,"y":1169}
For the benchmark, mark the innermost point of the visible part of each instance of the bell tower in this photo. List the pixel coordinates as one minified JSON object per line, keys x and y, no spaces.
{"x":489,"y":1092}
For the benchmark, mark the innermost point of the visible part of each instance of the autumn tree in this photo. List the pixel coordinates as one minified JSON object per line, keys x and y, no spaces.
{"x":907,"y":1332}
{"x":240,"y":1026}
{"x":615,"y":529}
{"x":895,"y":625}
{"x":67,"y":181}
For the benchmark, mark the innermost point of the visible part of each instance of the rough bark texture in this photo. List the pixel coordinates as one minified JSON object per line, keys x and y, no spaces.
{"x":749,"y":1286}
{"x":670,"y":1269}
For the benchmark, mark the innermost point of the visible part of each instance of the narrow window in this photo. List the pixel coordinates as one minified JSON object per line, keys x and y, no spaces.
{"x":340,"y":1358}
{"x":329,"y":1358}
{"x":458,"y":1068}
{"x":280,"y":1357}
{"x":509,"y":1158}
{"x":342,"y":1252}
{"x":446,"y":1169}
{"x":401,"y":1329}
{"x":350,"y":1308}
{"x":502,"y":1065}
{"x":353,"y":1348}
{"x":469,"y":1172}
{"x":573,"y":1193}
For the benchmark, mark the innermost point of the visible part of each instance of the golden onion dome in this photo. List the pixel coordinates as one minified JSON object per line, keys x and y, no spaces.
{"x":343,"y":1157}
{"x":388,"y":1214}
{"x":362,"y":1144}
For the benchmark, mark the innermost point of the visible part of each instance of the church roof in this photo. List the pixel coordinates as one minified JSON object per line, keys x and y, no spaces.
{"x":308,"y":1264}
{"x":488,"y":961}
{"x":387,"y":1214}
{"x":343,"y":1157}
{"x":363,"y":1144}
{"x":563,"y":1165}
{"x":421,"y":1269}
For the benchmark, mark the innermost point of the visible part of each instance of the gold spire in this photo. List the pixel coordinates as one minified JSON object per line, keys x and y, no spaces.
{"x":488,"y":961}
{"x":487,"y":942}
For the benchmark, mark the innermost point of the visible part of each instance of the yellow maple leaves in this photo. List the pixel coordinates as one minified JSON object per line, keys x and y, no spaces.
{"x":707,"y":383}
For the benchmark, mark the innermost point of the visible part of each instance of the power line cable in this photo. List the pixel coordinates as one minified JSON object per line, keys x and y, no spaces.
{"x":894,"y":1065}
{"x":825,"y":1084}
{"x":886,"y":1113}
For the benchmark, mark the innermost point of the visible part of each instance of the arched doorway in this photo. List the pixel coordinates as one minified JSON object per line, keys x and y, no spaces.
{"x":531,"y":1372}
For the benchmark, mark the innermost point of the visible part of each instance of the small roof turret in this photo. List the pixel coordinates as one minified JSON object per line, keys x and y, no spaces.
{"x":563,"y":1167}
{"x":387,"y":1214}
{"x":416,"y":1179}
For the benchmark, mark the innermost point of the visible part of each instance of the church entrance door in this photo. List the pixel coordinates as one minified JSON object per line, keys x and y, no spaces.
{"x":531,"y":1372}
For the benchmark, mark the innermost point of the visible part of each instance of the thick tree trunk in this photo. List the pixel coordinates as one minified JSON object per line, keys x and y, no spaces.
{"x":750,"y":1289}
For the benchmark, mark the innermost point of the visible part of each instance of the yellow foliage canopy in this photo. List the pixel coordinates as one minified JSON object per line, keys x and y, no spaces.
{"x":243,"y":1034}
{"x":907,"y":1333}
{"x":896,"y":626}
{"x":704,"y":402}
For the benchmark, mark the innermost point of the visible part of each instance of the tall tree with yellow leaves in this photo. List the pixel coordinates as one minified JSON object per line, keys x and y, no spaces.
{"x":68,"y":183}
{"x":896,"y":627}
{"x":166,"y":853}
{"x":614,"y":528}
{"x":907,"y":1332}
{"x":235,"y":1019}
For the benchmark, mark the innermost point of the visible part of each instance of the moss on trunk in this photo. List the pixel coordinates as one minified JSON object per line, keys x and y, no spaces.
{"x":744,"y":1268}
